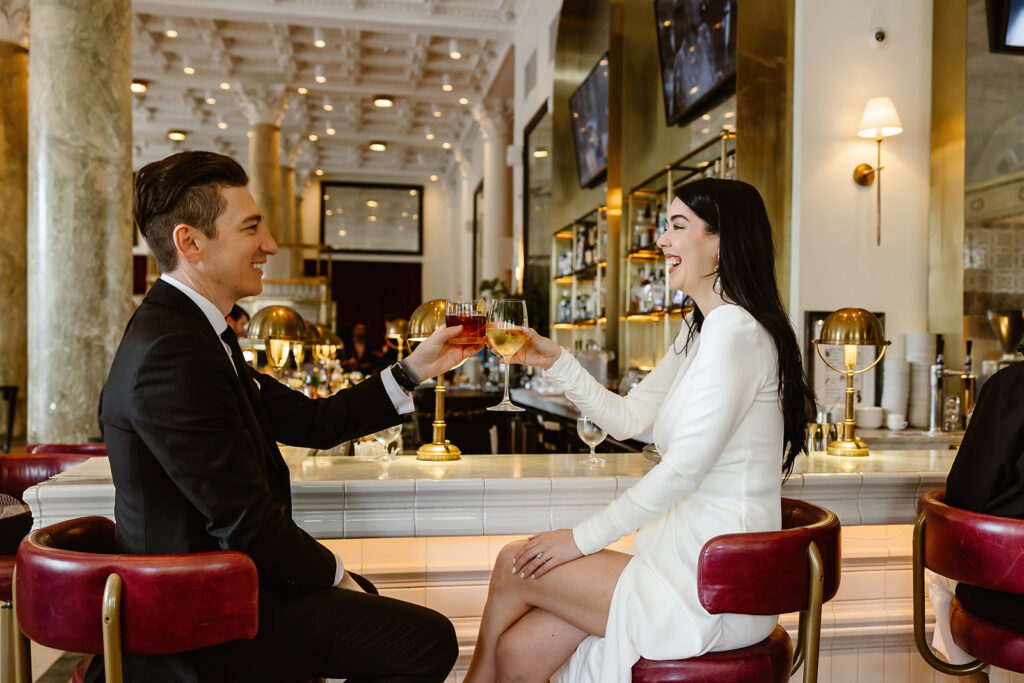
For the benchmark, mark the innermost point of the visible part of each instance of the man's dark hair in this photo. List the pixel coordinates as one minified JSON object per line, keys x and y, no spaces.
{"x":237,"y":312}
{"x":182,"y":188}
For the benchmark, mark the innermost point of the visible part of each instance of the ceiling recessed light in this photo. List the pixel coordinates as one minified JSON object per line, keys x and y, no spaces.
{"x":428,"y":134}
{"x":342,"y":233}
{"x":383,"y":101}
{"x":224,"y":85}
{"x":301,"y":90}
{"x":210,"y":99}
{"x":377,"y":146}
{"x":433,"y":177}
{"x":177,"y":135}
{"x":313,"y":137}
{"x":412,"y":193}
{"x":319,"y":171}
{"x":318,"y":37}
{"x":540,"y":153}
{"x":463,"y":100}
{"x":328,"y":212}
{"x":446,"y":145}
{"x":222,"y":124}
{"x":446,"y":82}
{"x":372,"y":219}
{"x":705,"y":131}
{"x":435,"y":111}
{"x":169,"y":29}
{"x":187,"y":67}
{"x":330,"y":129}
{"x":326,"y":197}
{"x":372,"y":203}
{"x":139,"y":85}
{"x":453,"y":49}
{"x":327,"y":104}
{"x":248,"y":134}
{"x":405,"y":214}
{"x":318,"y":74}
{"x":729,"y":114}
{"x":706,"y":117}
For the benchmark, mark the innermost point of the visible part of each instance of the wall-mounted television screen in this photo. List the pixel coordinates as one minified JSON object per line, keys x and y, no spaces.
{"x":1005,"y":25}
{"x":588,"y":107}
{"x":697,"y":46}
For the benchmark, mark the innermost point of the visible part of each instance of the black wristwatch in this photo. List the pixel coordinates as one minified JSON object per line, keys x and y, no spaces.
{"x":404,"y":376}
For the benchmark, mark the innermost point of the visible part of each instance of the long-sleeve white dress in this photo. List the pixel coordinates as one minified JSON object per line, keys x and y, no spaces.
{"x":718,"y":425}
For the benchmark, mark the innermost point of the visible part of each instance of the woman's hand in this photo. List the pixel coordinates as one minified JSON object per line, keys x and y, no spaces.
{"x":545,"y":551}
{"x":436,"y":354}
{"x":538,"y":350}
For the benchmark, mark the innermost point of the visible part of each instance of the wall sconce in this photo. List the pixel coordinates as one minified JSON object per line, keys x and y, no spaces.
{"x":879,"y":120}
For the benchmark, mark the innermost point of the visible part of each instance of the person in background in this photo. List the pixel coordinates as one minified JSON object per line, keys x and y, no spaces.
{"x":237,"y":320}
{"x":358,"y":355}
{"x":987,"y":476}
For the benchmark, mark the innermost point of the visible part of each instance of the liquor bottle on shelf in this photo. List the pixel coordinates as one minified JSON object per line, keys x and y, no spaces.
{"x":640,"y":234}
{"x":636,"y":293}
{"x":604,"y":296}
{"x":658,"y":291}
{"x":565,"y":308}
{"x":730,"y":165}
{"x":677,"y":298}
{"x":647,"y":287}
{"x":661,"y":223}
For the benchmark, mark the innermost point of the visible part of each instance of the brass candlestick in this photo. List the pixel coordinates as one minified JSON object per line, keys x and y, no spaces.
{"x":428,"y":317}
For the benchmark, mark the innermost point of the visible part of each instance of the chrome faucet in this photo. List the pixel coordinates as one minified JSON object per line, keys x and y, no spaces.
{"x":938,"y":373}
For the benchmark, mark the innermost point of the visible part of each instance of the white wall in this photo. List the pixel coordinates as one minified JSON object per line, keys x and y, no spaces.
{"x":838,"y":67}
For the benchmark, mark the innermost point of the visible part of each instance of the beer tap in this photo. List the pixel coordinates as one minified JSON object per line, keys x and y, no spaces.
{"x":938,"y":373}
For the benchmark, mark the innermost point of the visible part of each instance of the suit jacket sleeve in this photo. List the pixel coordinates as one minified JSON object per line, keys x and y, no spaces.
{"x":325,"y":422}
{"x":193,"y":423}
{"x":988,"y":472}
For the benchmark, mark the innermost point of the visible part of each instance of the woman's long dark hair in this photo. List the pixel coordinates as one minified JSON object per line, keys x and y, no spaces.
{"x":735,"y":212}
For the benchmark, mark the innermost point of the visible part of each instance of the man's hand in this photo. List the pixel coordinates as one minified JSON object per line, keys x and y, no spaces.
{"x":544,"y":552}
{"x":349,"y":584}
{"x":436,"y":355}
{"x":538,"y":351}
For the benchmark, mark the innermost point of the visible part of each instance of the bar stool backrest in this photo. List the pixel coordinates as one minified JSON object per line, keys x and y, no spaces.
{"x":94,"y":449}
{"x":171,"y":603}
{"x":22,"y":470}
{"x":768,"y":572}
{"x":972,"y":547}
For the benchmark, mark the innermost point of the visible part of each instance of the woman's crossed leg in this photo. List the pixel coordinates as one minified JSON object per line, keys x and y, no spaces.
{"x":530,"y":626}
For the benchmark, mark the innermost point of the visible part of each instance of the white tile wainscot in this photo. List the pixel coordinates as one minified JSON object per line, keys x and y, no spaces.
{"x":429,"y":532}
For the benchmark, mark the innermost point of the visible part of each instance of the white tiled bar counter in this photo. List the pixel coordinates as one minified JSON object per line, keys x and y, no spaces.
{"x":428,"y":532}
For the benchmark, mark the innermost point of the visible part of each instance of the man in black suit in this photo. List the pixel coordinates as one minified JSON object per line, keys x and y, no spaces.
{"x":987,"y":476}
{"x":192,"y":434}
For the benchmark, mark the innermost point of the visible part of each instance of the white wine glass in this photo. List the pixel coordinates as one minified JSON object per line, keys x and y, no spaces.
{"x":277,"y":353}
{"x":506,"y":319}
{"x":591,"y":434}
{"x":386,"y":437}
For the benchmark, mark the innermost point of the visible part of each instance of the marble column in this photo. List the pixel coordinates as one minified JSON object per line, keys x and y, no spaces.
{"x":495,"y":119}
{"x":264,"y":106}
{"x":462,"y":230}
{"x":299,"y":187}
{"x":13,"y":204}
{"x":290,"y":148}
{"x":79,"y":209}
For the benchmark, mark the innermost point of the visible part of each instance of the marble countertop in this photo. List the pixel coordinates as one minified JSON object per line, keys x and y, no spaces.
{"x":345,"y":497}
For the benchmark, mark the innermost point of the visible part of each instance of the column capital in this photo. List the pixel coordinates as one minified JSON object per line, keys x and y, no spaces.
{"x":301,"y":178}
{"x":263,"y":103}
{"x":14,"y":22}
{"x":291,"y":146}
{"x":494,"y":116}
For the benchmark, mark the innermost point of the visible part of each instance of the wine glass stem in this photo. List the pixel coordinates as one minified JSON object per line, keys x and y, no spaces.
{"x":506,"y":399}
{"x":593,"y":452}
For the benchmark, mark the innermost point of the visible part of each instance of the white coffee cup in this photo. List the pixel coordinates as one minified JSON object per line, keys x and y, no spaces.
{"x":868,"y":417}
{"x":896,"y":421}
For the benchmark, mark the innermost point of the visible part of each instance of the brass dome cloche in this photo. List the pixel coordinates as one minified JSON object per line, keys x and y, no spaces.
{"x":854,"y":326}
{"x":277,"y":322}
{"x":427,"y":317}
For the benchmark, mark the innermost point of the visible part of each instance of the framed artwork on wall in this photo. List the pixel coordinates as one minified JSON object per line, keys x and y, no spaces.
{"x":374,"y":218}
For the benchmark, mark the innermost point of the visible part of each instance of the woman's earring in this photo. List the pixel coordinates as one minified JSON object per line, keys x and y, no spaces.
{"x":716,"y":287}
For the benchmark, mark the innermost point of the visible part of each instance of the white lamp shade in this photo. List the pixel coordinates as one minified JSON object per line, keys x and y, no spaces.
{"x":880,"y":119}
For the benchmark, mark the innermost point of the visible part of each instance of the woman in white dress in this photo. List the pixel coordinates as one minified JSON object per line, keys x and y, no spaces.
{"x":728,"y":406}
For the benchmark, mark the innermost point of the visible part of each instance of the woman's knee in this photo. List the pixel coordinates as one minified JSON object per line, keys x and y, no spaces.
{"x":513,"y":657}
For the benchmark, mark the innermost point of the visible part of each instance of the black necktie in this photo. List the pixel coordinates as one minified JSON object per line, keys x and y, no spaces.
{"x":236,"y":357}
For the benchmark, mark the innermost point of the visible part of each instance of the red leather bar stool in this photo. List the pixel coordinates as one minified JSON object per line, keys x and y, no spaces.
{"x":95,"y":449}
{"x":980,"y":550}
{"x":113,"y":604}
{"x":17,"y":473}
{"x":772,"y":572}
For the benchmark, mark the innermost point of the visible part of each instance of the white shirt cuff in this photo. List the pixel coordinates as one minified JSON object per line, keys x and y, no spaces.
{"x":339,"y":571}
{"x":402,"y":400}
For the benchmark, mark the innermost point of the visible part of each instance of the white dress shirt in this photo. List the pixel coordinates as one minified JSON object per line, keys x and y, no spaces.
{"x":401,"y":400}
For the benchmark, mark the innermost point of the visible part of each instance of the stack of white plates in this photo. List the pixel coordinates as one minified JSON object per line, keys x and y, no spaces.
{"x":896,"y":386}
{"x":921,"y":355}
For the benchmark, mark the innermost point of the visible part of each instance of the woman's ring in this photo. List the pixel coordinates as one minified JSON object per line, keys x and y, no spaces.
{"x":540,"y":556}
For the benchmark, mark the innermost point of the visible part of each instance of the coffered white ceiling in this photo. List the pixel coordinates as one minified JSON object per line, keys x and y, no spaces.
{"x":371,"y":47}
